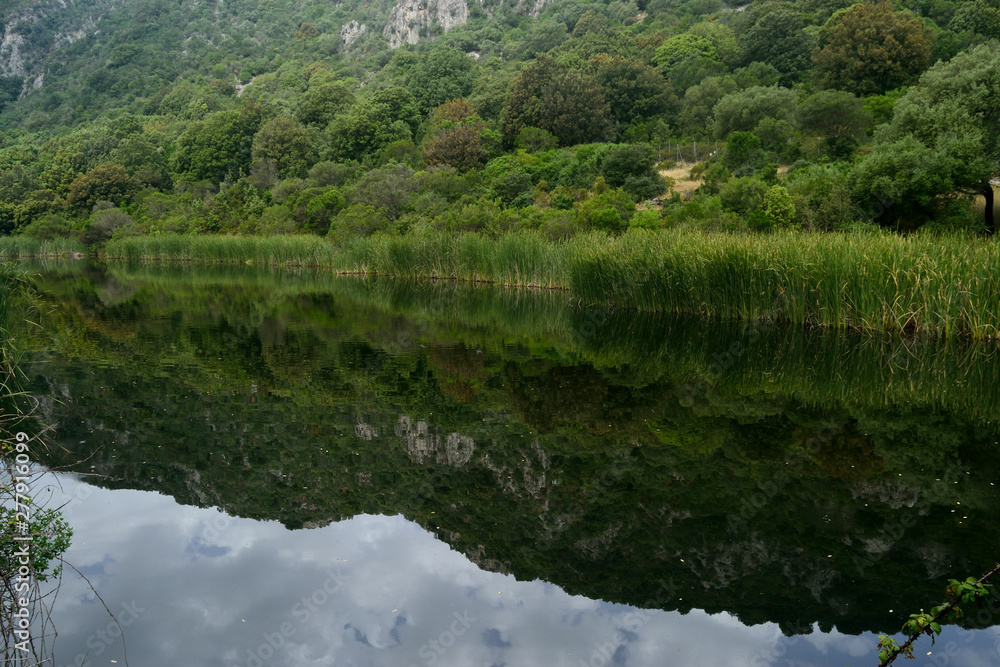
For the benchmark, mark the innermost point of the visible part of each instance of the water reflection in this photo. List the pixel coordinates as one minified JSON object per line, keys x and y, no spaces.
{"x":718,"y":475}
{"x":208,"y":589}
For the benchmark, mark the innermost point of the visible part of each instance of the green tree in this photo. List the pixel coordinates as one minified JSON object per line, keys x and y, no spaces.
{"x":632,"y":89}
{"x":459,"y":146}
{"x":322,"y":102}
{"x":778,"y":39}
{"x":744,"y":153}
{"x":107,"y":182}
{"x":631,"y":167}
{"x":870,"y":49}
{"x":943,"y":141}
{"x":566,"y":102}
{"x":699,"y":101}
{"x":977,"y":17}
{"x":368,"y":127}
{"x":779,"y":209}
{"x":285,"y":141}
{"x":686,"y":59}
{"x":837,"y":116}
{"x":219,"y":146}
{"x":535,"y":140}
{"x":443,"y":74}
{"x":742,"y":111}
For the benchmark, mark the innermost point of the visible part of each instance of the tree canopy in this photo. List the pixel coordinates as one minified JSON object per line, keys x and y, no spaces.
{"x":944,"y":139}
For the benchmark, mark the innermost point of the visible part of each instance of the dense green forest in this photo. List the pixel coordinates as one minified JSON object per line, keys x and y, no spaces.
{"x":271,"y":117}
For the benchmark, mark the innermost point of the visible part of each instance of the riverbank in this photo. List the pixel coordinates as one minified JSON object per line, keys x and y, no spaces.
{"x":878,"y":281}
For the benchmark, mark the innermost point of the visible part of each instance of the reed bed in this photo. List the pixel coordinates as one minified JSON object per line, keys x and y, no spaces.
{"x":948,"y":286}
{"x":299,"y":250}
{"x":942,"y":286}
{"x":15,"y":247}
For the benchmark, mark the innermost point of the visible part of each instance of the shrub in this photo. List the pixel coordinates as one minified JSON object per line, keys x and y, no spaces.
{"x":103,"y":224}
{"x":47,"y":227}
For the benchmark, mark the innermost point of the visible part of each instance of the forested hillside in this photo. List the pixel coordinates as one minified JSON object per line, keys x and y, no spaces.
{"x":128,"y":117}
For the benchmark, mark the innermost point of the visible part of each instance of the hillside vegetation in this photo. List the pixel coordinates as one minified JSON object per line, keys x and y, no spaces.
{"x":268,"y":117}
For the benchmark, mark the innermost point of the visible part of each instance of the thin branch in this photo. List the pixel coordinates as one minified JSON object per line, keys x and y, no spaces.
{"x":936,"y":619}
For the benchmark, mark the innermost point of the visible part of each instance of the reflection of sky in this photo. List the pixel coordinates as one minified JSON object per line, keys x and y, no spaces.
{"x":207,"y":589}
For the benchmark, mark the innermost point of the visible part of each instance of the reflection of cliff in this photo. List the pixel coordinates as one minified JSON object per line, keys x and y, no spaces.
{"x":422,"y":446}
{"x":599,"y":480}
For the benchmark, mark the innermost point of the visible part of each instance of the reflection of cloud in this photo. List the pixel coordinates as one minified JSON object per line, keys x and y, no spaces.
{"x":373,"y":591}
{"x":200,"y":547}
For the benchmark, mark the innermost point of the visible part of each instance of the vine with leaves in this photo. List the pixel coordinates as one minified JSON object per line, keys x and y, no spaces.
{"x":929,"y":623}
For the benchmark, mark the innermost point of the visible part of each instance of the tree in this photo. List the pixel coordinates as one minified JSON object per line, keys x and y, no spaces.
{"x":219,"y":146}
{"x":322,"y":102}
{"x":686,"y":59}
{"x":456,"y":138}
{"x":106,"y":182}
{"x":535,"y":140}
{"x":699,"y":102}
{"x":444,"y":74}
{"x":368,"y":127}
{"x":870,"y":49}
{"x":744,"y":153}
{"x":838,"y":117}
{"x":943,"y":140}
{"x":631,"y":167}
{"x":460,"y":146}
{"x":742,"y":111}
{"x":778,"y":39}
{"x":566,"y":102}
{"x":285,"y":141}
{"x":779,"y":209}
{"x":632,"y":89}
{"x":978,"y":17}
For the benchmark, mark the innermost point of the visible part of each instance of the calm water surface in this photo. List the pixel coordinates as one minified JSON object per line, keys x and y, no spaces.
{"x":294,"y":469}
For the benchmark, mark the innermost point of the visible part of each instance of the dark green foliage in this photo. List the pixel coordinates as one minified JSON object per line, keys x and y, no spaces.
{"x":633,"y":90}
{"x":535,"y":139}
{"x":566,"y":102}
{"x":744,"y":196}
{"x":778,"y":39}
{"x":632,"y":168}
{"x":387,"y":189}
{"x":943,"y":141}
{"x":978,"y":17}
{"x":218,"y":147}
{"x":743,"y":111}
{"x":285,"y":142}
{"x":369,"y":126}
{"x":104,"y":183}
{"x":744,"y":153}
{"x":322,"y":102}
{"x":47,"y":227}
{"x":870,"y":49}
{"x":441,"y":75}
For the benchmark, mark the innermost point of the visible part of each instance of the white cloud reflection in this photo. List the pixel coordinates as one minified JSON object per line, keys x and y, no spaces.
{"x":373,"y":590}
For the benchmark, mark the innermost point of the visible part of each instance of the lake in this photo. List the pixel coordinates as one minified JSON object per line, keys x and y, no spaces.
{"x":292,"y":468}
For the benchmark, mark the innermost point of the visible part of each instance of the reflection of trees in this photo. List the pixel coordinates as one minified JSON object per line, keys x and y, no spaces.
{"x":599,"y":478}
